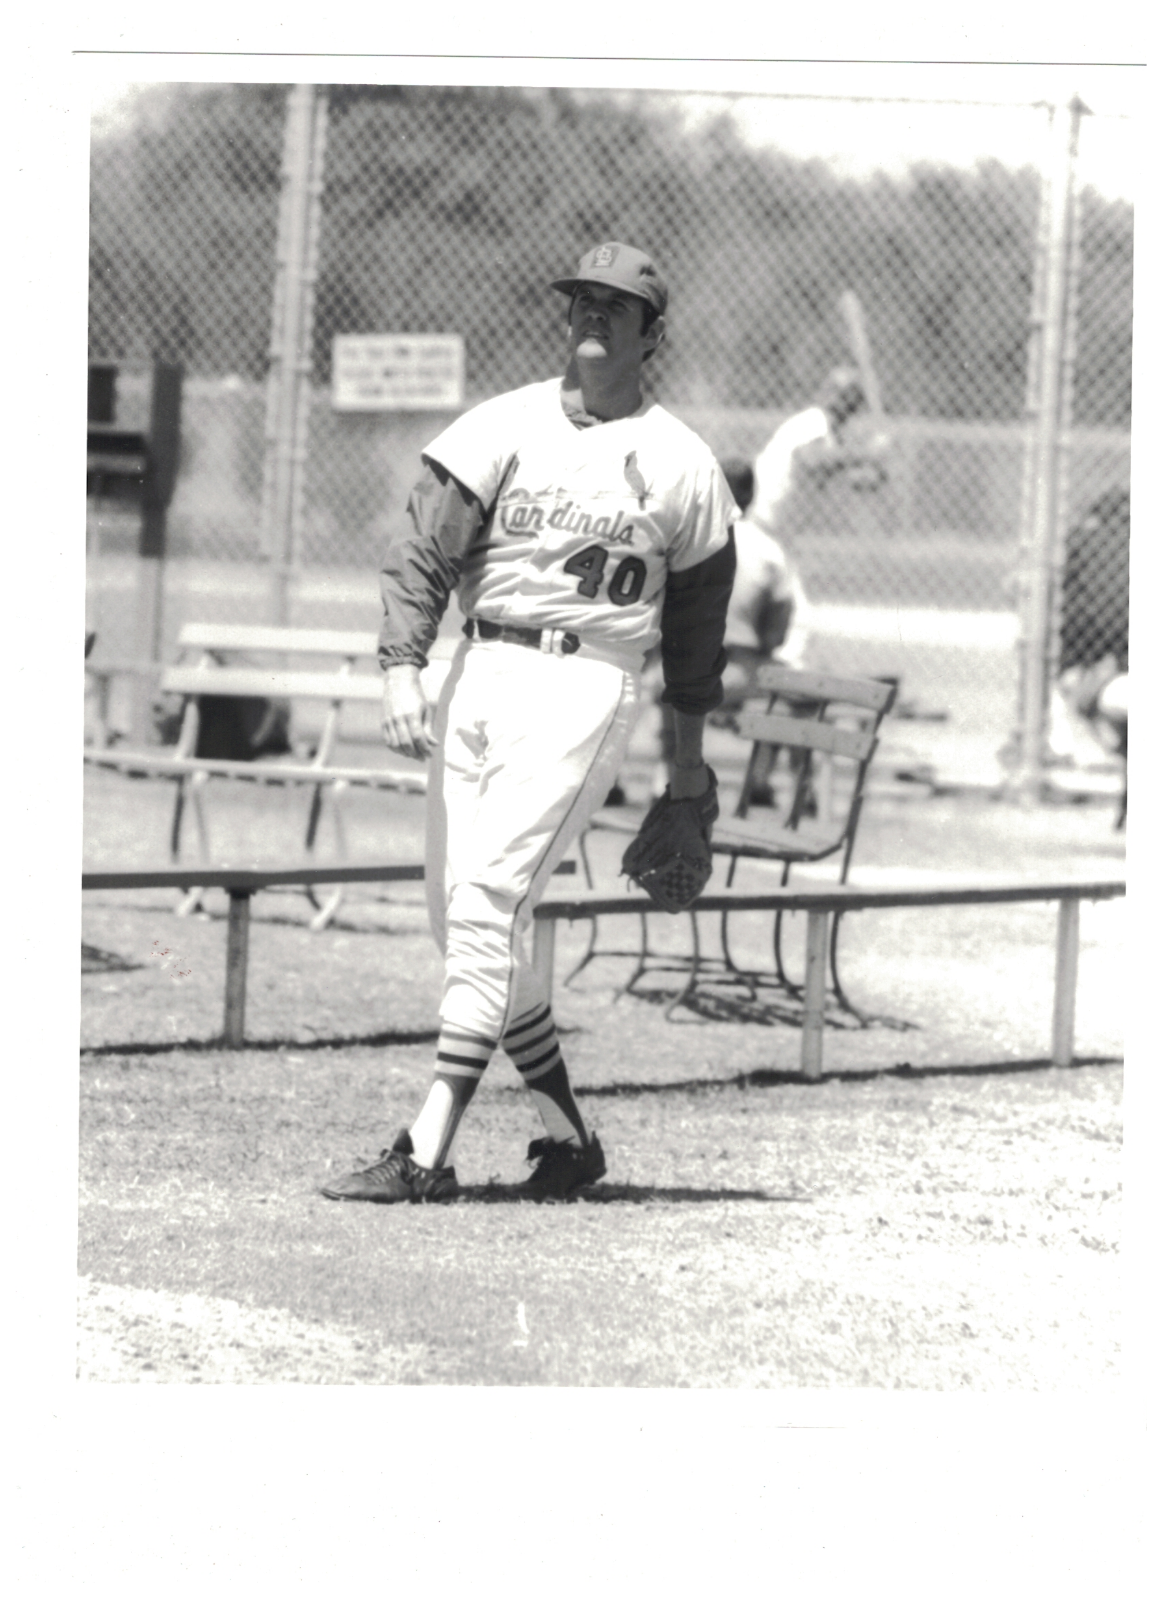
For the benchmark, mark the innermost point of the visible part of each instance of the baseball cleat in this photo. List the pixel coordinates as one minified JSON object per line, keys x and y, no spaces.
{"x":562,"y":1169}
{"x":395,"y":1176}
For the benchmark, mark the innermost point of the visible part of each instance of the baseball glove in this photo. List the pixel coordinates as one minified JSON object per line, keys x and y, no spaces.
{"x":670,"y":856}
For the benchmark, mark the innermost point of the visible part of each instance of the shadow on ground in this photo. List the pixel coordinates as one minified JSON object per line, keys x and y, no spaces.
{"x":785,"y":1011}
{"x":506,"y":1194}
{"x":167,"y":1047}
{"x":770,"y":1078}
{"x":759,"y":1078}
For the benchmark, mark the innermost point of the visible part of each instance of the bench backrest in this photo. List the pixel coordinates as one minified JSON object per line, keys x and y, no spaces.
{"x":798,"y":733}
{"x":872,"y":694}
{"x":349,"y":643}
{"x":269,"y":683}
{"x":814,"y":714}
{"x":209,"y":675}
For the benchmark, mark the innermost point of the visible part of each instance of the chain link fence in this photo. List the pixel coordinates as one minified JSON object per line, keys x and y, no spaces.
{"x":447,"y":211}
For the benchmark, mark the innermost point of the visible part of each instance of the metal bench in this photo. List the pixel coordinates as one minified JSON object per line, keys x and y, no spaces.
{"x":824,"y":906}
{"x":333,"y":678}
{"x":828,"y":727}
{"x":241,"y":884}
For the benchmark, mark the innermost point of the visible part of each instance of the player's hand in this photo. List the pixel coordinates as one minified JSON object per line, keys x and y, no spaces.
{"x":407,"y":715}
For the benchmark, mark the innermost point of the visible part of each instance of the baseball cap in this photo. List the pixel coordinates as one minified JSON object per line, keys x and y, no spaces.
{"x":621,"y":267}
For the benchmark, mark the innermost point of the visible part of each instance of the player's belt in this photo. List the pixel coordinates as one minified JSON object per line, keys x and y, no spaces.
{"x":567,"y":644}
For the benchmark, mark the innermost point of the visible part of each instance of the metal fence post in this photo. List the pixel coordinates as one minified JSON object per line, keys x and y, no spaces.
{"x":1065,"y":984}
{"x":163,"y":458}
{"x":1045,"y":467}
{"x":237,"y":950}
{"x":292,"y":319}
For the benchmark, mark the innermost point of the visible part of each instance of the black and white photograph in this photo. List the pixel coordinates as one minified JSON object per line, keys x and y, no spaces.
{"x":452,"y":1033}
{"x":853,"y":580}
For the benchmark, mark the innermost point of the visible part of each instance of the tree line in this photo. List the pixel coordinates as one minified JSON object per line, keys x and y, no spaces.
{"x":449,"y":209}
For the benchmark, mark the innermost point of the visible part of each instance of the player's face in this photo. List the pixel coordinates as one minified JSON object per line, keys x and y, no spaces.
{"x":605,"y":328}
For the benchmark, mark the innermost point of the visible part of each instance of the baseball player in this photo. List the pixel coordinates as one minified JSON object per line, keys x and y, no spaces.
{"x":769,"y":609}
{"x":810,"y":447}
{"x":1094,"y":631}
{"x":578,"y":524}
{"x":768,"y":614}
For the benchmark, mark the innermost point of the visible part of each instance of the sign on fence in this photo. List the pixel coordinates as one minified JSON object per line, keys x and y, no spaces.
{"x":397,"y":371}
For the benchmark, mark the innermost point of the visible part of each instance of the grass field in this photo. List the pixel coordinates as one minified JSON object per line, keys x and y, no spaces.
{"x":941,"y":1213}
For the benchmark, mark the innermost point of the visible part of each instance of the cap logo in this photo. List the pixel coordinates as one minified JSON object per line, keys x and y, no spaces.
{"x":604,"y":255}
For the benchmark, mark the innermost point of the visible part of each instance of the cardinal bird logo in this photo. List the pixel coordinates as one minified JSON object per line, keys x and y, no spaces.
{"x":635,"y":479}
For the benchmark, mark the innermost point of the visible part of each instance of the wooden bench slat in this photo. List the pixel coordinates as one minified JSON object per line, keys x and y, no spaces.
{"x":761,"y":840}
{"x":251,"y":879}
{"x":867,"y":692}
{"x":756,"y":838}
{"x":829,"y":897}
{"x":272,"y":771}
{"x":619,"y":819}
{"x":295,"y":641}
{"x":271,"y":683}
{"x":800,"y":733}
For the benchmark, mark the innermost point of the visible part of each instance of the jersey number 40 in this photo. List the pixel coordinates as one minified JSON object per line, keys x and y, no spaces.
{"x":625,"y":582}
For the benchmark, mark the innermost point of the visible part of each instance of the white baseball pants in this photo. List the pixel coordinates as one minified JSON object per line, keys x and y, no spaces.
{"x":529,"y":745}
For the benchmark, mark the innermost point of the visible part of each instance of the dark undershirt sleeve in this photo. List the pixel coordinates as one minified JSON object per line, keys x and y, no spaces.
{"x":424,"y":562}
{"x":694,"y":619}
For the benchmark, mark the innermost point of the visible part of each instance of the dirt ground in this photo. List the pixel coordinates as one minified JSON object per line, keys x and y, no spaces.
{"x":941,"y":1212}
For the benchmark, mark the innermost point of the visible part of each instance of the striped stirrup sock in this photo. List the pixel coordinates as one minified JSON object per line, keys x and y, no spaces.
{"x":461,"y":1059}
{"x":531,"y":1044}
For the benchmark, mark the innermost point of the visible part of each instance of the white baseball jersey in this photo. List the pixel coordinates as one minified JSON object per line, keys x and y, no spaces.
{"x":775,"y":466}
{"x":608,"y":530}
{"x":585,"y":523}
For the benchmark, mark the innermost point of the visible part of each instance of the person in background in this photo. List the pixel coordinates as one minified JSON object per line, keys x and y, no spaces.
{"x":1094,"y":628}
{"x":812,"y":446}
{"x":767,"y":618}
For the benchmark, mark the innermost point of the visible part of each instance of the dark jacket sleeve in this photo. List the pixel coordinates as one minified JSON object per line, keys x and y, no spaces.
{"x":694,"y":619}
{"x":424,"y":562}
